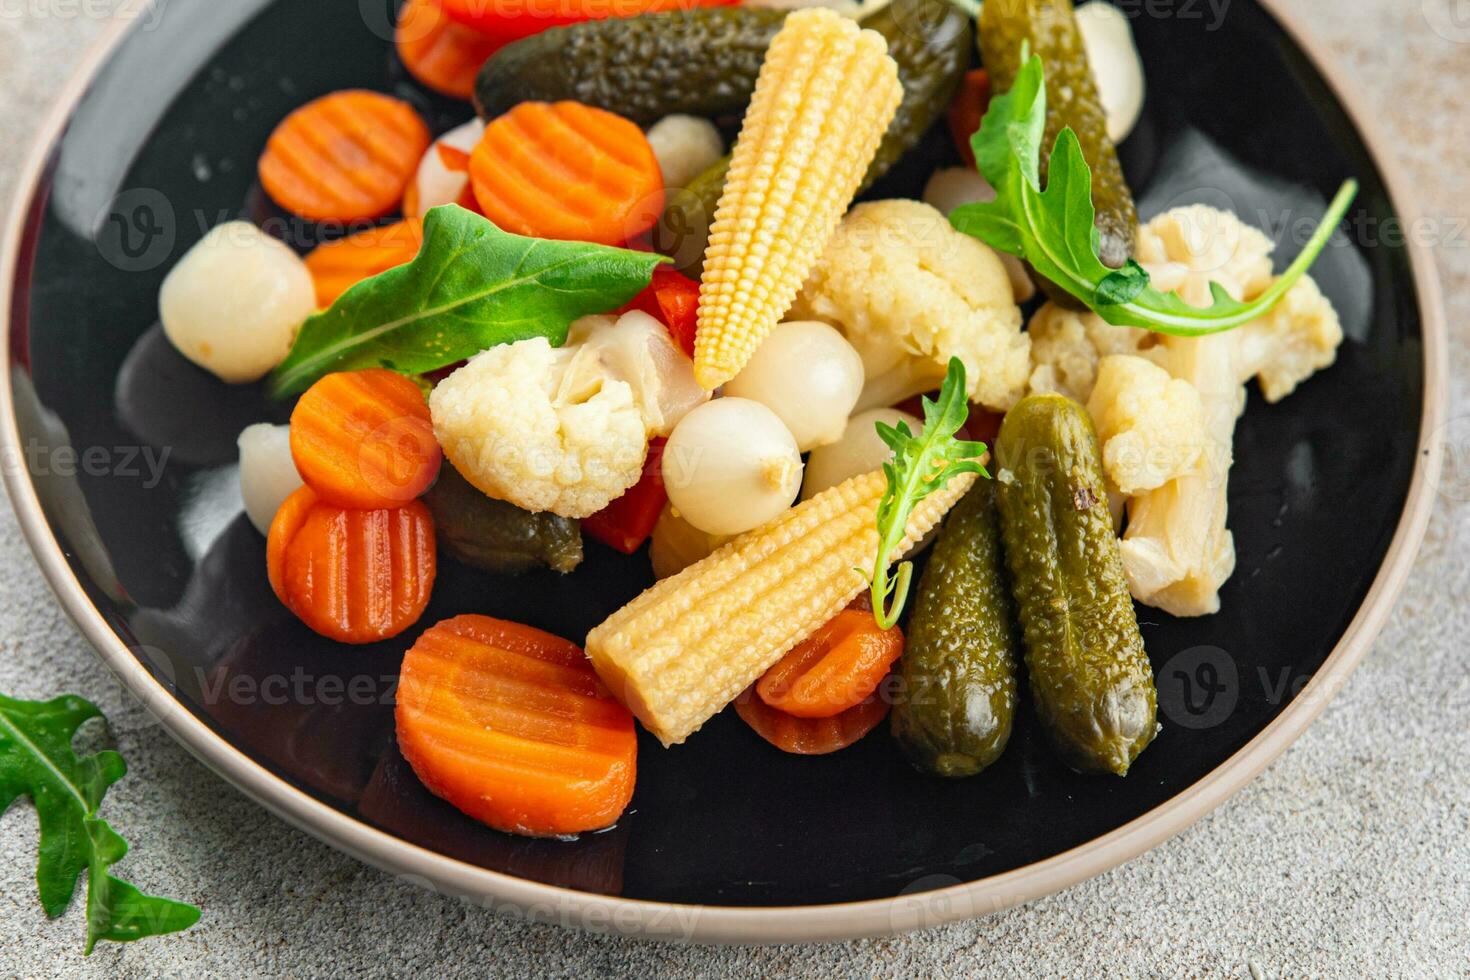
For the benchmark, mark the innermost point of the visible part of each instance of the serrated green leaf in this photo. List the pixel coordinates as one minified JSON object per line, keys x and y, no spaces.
{"x":921,"y":465}
{"x":1053,"y":228}
{"x":37,"y":760}
{"x":471,"y":287}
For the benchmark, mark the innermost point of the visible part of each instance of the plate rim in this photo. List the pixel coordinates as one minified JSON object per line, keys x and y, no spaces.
{"x":537,"y":902}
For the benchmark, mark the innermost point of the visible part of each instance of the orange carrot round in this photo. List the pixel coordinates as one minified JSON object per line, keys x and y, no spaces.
{"x":355,"y":576}
{"x":339,"y":265}
{"x":443,"y":54}
{"x":364,"y":439}
{"x":567,"y":171}
{"x":288,"y":520}
{"x":346,"y":157}
{"x":810,"y":736}
{"x":834,"y":669}
{"x":512,"y":726}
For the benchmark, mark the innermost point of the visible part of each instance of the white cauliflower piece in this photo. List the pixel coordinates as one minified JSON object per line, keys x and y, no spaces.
{"x":1298,"y":338}
{"x":909,"y":292}
{"x":1151,"y":426}
{"x":1177,"y":550}
{"x":1066,"y":346}
{"x":1186,"y":249}
{"x":564,"y":429}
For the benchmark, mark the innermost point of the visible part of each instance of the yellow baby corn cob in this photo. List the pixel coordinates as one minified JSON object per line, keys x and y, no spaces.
{"x":687,"y":647}
{"x":825,"y":96}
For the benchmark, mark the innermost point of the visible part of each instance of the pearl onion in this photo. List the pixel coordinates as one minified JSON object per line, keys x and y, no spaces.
{"x":809,"y":375}
{"x":731,"y":465}
{"x":267,"y":472}
{"x":860,"y":450}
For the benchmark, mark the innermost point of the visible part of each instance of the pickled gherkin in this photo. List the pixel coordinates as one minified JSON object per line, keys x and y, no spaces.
{"x":959,"y":664}
{"x":703,"y":62}
{"x":1090,"y":677}
{"x":1049,"y":28}
{"x":930,"y":42}
{"x":497,"y":536}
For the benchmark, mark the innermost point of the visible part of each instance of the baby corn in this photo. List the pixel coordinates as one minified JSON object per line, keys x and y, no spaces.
{"x":825,"y":96}
{"x":687,"y":647}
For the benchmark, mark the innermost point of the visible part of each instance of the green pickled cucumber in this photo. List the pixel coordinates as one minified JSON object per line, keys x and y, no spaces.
{"x":703,"y":62}
{"x":1050,"y":28}
{"x":1090,"y":677}
{"x":928,"y":39}
{"x":494,"y":535}
{"x":959,"y":663}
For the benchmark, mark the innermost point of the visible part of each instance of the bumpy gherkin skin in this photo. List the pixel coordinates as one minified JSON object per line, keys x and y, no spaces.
{"x":928,"y":39}
{"x":1072,"y":100}
{"x":703,"y":62}
{"x":494,"y":535}
{"x":959,"y":663}
{"x":1090,"y":677}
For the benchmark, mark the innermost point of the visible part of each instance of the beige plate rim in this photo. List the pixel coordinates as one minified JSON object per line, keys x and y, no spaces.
{"x":814,"y":923}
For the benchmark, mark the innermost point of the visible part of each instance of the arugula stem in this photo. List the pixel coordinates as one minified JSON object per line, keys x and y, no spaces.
{"x":1262,"y":304}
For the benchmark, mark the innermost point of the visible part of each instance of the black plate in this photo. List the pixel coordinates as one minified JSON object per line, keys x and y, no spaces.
{"x":162,"y":146}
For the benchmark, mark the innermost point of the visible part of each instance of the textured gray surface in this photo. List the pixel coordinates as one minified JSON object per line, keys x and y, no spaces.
{"x":1349,"y":856}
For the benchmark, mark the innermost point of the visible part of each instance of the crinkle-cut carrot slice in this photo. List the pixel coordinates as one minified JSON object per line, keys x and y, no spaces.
{"x":440,"y":52}
{"x":365,"y":439}
{"x":355,"y":576}
{"x":348,"y":156}
{"x":567,"y":171}
{"x":512,"y":726}
{"x":339,"y":265}
{"x":810,"y":736}
{"x":834,"y":669}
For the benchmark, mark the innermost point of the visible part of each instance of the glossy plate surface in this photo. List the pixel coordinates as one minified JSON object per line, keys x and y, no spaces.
{"x":128,"y":495}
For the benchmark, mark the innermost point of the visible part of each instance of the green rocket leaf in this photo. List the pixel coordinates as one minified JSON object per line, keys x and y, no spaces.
{"x":36,"y":760}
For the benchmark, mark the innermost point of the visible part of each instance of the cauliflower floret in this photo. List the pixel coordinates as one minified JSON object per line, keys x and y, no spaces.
{"x":1066,"y":346}
{"x":1151,"y":427}
{"x":1298,"y":338}
{"x":909,"y":292}
{"x":1186,"y":249}
{"x":1177,"y":550}
{"x":564,"y":429}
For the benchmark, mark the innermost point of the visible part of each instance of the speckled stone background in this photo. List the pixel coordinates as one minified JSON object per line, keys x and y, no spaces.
{"x":1350,"y":856}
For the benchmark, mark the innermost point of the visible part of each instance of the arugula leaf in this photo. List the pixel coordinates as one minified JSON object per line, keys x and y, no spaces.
{"x":471,"y":287}
{"x":921,"y":465}
{"x":36,"y":760}
{"x":1053,"y":229}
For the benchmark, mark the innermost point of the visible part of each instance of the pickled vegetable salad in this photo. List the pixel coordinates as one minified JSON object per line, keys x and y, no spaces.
{"x":594,"y":319}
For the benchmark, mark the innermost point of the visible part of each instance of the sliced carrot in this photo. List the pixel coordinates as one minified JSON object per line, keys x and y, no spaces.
{"x":339,"y":265}
{"x":834,"y":669}
{"x":355,"y":576}
{"x":442,"y":53}
{"x":967,"y":109}
{"x":284,"y":526}
{"x":348,"y":156}
{"x":364,"y":439}
{"x":810,"y":736}
{"x":567,"y":171}
{"x":513,"y":726}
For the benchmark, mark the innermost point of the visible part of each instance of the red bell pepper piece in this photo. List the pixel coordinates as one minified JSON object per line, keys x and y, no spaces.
{"x":967,"y":109}
{"x":511,"y":20}
{"x":628,"y":521}
{"x":673,"y":300}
